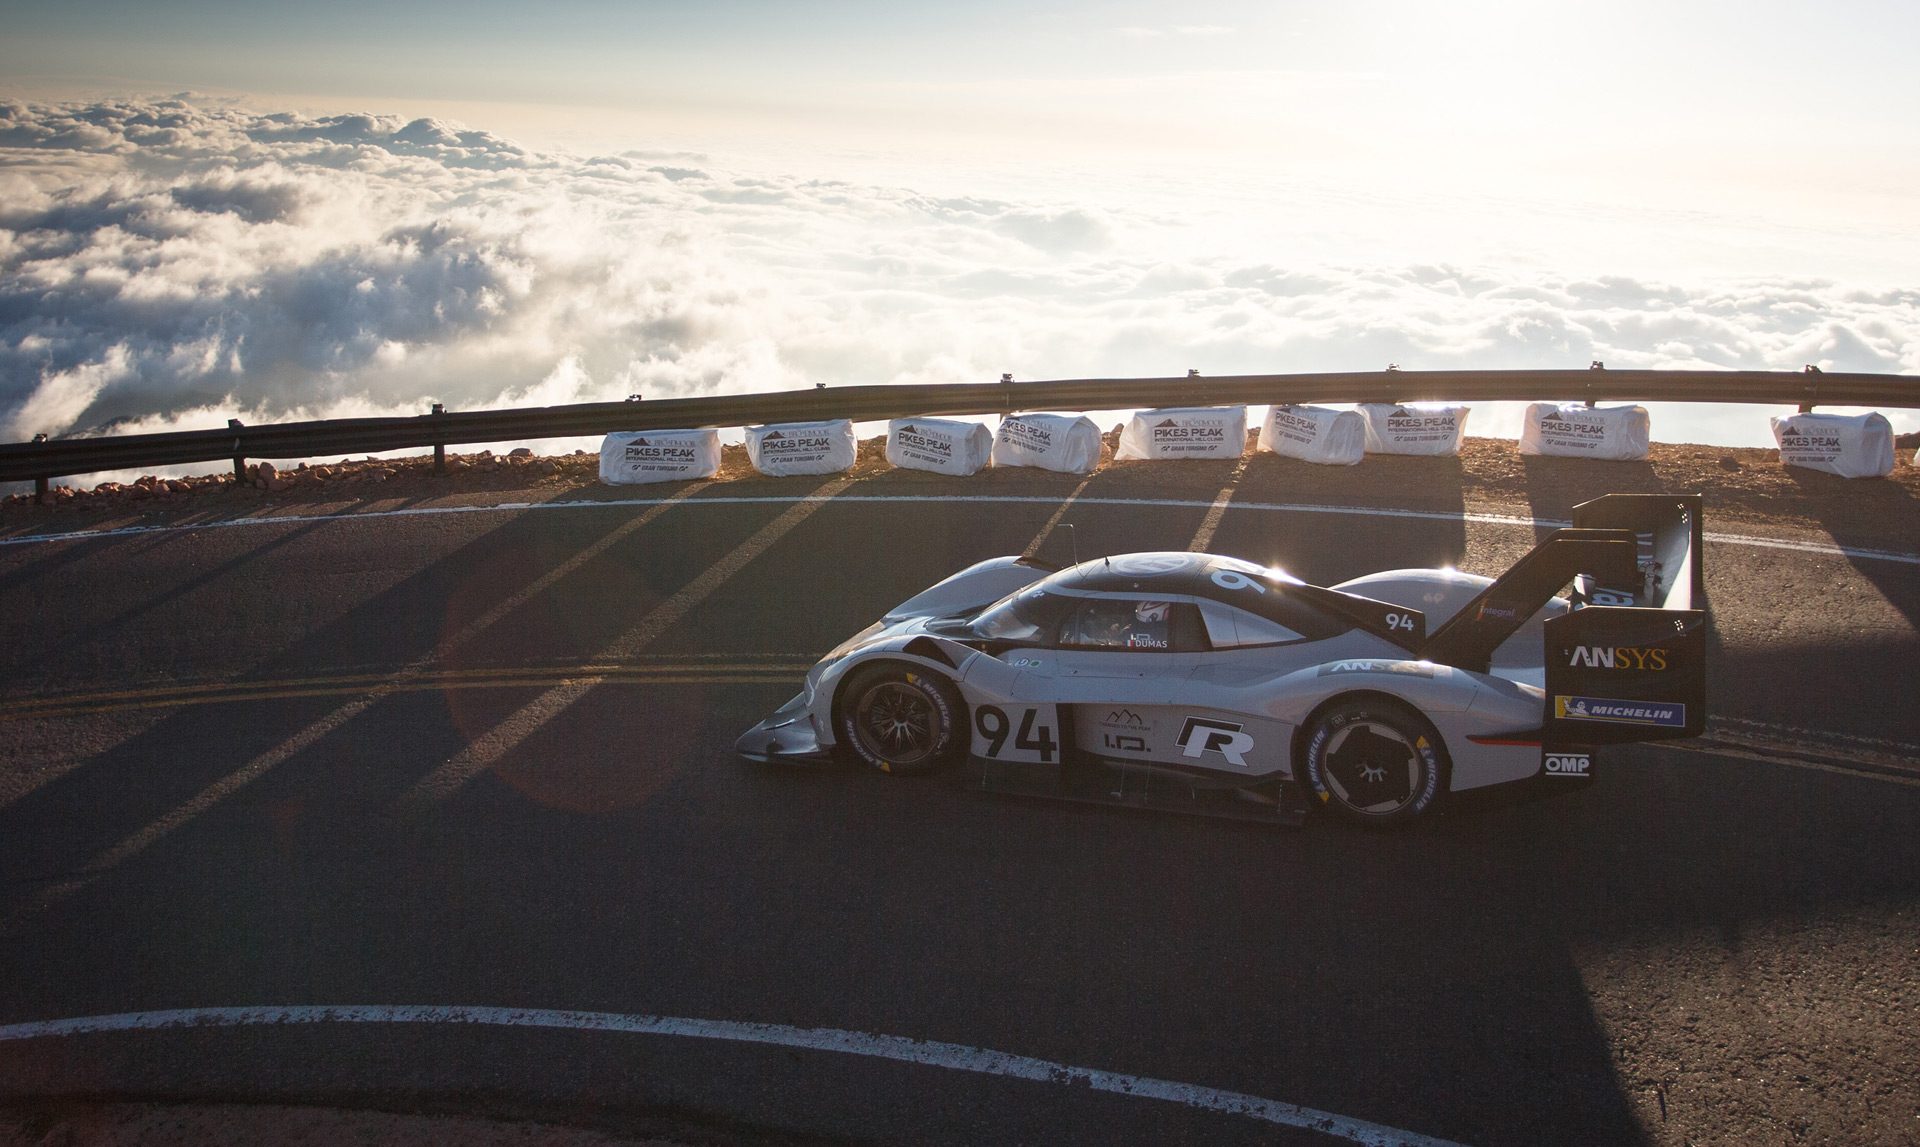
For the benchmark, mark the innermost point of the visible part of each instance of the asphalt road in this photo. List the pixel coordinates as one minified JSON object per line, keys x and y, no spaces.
{"x":482,"y":758}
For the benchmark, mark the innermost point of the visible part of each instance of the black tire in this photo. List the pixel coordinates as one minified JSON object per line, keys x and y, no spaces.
{"x":1375,"y":761}
{"x":901,"y":719}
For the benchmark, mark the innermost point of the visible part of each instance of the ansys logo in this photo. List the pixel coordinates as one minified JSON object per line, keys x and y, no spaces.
{"x":1618,"y":657}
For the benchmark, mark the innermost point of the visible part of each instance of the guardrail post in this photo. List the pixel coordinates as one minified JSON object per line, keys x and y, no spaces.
{"x":239,"y":460}
{"x":439,"y":448}
{"x":1813,"y":388}
{"x":1596,"y":364}
{"x":40,"y":491}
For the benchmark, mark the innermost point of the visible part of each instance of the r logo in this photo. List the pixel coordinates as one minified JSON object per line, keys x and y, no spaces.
{"x":1200,"y":735}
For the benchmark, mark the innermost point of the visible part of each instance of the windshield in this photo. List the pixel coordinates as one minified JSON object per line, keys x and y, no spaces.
{"x":1024,"y":615}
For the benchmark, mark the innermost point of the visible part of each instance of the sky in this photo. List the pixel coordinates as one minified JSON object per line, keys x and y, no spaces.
{"x":218,"y":209}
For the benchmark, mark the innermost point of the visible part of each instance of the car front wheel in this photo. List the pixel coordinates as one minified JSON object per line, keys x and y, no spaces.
{"x":901,"y":720}
{"x":1375,"y":761}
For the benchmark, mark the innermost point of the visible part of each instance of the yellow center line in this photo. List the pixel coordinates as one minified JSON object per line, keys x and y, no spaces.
{"x":486,"y":751}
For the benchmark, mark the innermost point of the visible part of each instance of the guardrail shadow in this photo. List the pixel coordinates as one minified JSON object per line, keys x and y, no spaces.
{"x":438,"y":616}
{"x":1325,"y":549}
{"x":1555,"y":485}
{"x":66,"y":643}
{"x":1862,"y":514}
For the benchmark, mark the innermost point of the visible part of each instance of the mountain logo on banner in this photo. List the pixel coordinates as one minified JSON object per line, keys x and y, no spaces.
{"x":1164,"y":425}
{"x":773,"y":436}
{"x":909,"y":428}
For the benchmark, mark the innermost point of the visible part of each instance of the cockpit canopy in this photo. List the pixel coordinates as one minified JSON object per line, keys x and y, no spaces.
{"x":1159,"y":602}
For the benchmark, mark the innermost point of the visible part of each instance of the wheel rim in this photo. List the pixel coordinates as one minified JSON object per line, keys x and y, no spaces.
{"x":897,"y":723}
{"x":1372,"y":767}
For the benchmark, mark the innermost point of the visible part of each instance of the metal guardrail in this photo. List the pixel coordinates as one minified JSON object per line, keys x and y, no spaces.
{"x":41,"y":460}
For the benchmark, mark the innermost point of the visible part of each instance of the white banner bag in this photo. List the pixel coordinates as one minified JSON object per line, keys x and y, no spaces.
{"x":802,"y":448}
{"x":942,"y":445}
{"x":1411,"y":429}
{"x":1185,"y":432}
{"x":1314,"y":433}
{"x":632,"y":457}
{"x":1573,"y":430}
{"x":1066,"y":442}
{"x":1850,"y":445}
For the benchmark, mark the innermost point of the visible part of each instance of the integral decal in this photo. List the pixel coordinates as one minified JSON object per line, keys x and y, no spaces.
{"x":1399,"y":668}
{"x":1666,"y":714}
{"x":1189,"y":434}
{"x":1127,"y":719}
{"x":1569,"y":764}
{"x":1573,"y":430}
{"x":1618,"y":657}
{"x":1497,"y":612}
{"x":924,"y":445}
{"x":1026,"y":435}
{"x":640,"y":450}
{"x":1801,"y":445}
{"x":1201,"y":735}
{"x":1294,"y":427}
{"x":1405,"y":425}
{"x":796,"y":447}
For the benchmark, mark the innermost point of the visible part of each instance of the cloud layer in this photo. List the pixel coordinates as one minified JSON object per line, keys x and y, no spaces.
{"x":170,"y":263}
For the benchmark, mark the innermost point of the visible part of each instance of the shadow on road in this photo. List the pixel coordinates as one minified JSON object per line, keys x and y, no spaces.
{"x":1877,"y":502}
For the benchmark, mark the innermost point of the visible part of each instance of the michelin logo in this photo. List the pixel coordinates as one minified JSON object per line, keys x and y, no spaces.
{"x":1665,"y":714}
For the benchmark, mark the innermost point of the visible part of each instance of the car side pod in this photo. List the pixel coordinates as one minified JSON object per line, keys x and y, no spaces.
{"x":787,"y":735}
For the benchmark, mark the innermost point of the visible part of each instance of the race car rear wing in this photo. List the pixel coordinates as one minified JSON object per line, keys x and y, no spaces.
{"x":1628,"y":661}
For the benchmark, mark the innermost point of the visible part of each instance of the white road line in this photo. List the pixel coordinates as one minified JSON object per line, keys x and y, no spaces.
{"x":50,"y":894}
{"x":1819,"y":548}
{"x":1203,"y":537}
{"x":487,"y":750}
{"x":929,"y":1053}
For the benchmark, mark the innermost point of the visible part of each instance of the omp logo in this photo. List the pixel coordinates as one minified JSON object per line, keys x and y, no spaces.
{"x":1618,"y":657}
{"x":1200,"y":736}
{"x":1568,"y":764}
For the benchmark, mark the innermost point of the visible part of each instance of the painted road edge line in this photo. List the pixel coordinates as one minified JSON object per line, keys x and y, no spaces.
{"x":1820,"y":548}
{"x":930,"y":1053}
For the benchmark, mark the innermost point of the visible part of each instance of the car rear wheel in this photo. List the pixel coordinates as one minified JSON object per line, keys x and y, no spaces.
{"x":1375,"y":761}
{"x":902,"y":720}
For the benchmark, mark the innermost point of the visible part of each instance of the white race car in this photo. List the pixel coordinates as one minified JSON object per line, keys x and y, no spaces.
{"x":1197,"y":681}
